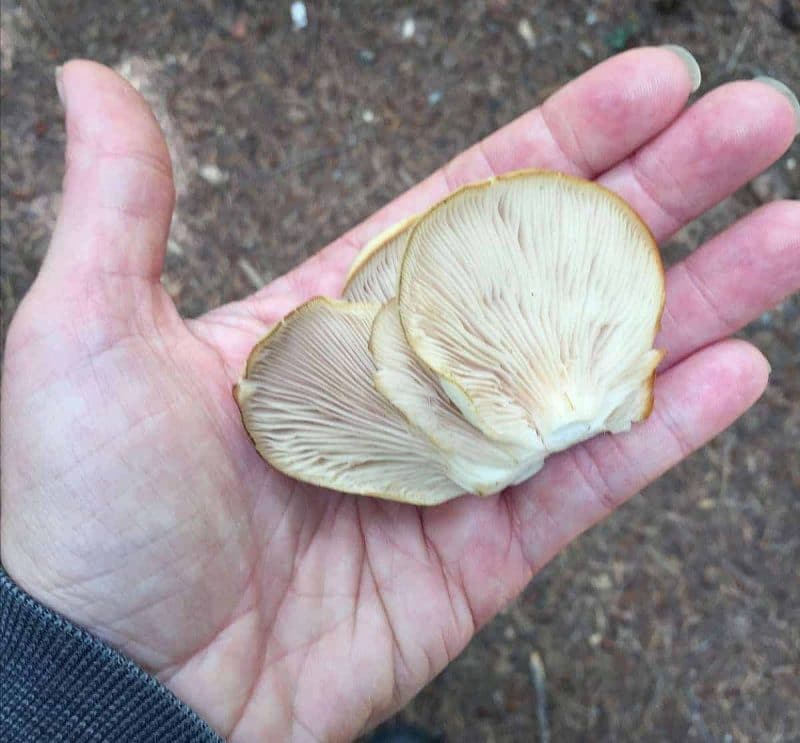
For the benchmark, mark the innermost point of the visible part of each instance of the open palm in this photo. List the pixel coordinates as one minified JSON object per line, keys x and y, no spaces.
{"x":134,"y":503}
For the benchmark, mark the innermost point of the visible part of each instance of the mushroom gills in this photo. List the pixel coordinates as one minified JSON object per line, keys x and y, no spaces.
{"x":474,"y":461}
{"x":374,"y":273}
{"x":308,"y":402}
{"x":535,"y":299}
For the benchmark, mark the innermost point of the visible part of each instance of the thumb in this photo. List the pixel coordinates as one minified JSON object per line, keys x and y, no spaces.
{"x":118,"y":193}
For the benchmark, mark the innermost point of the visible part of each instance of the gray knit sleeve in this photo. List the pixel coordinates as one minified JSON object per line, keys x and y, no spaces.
{"x":59,"y":683}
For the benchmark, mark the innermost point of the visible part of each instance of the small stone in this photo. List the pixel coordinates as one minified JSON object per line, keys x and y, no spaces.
{"x":213,"y":174}
{"x":595,"y":639}
{"x":499,"y":698}
{"x":791,"y":163}
{"x":367,"y":117}
{"x":602,"y":582}
{"x":525,"y":30}
{"x":366,"y":56}
{"x":408,"y":29}
{"x":770,"y":186}
{"x":174,"y":248}
{"x":299,"y":15}
{"x":707,"y":504}
{"x":434,"y":97}
{"x":239,"y":27}
{"x":296,"y":115}
{"x":591,"y":18}
{"x":586,"y":49}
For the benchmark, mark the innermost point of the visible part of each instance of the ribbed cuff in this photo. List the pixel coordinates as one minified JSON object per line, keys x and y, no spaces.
{"x":58,"y":683}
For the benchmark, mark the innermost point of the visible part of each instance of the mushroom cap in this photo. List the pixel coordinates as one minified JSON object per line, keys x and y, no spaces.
{"x":373,"y":275}
{"x":308,"y":402}
{"x":474,"y":461}
{"x":536,"y":298}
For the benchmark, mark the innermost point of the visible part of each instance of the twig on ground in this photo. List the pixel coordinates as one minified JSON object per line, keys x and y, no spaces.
{"x":738,"y":48}
{"x":539,"y":684}
{"x":253,"y":276}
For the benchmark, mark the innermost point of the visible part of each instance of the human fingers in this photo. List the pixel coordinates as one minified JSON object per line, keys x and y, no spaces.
{"x":713,"y":148}
{"x":731,"y":280}
{"x":118,"y":192}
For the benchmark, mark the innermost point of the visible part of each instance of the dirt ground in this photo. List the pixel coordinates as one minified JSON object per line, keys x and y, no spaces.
{"x":679,"y":618}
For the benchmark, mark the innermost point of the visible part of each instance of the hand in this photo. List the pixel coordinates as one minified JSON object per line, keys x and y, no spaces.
{"x":134,"y":503}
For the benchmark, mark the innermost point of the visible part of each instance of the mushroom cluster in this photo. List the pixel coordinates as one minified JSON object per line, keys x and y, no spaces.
{"x":512,"y":320}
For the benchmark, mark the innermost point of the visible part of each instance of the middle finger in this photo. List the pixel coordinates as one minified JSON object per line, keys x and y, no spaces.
{"x":714,"y":147}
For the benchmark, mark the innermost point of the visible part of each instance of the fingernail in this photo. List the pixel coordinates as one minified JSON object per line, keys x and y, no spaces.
{"x":60,"y":85}
{"x":689,"y":61}
{"x":787,"y":93}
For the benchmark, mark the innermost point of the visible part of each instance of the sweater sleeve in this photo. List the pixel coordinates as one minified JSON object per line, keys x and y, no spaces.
{"x":59,"y":683}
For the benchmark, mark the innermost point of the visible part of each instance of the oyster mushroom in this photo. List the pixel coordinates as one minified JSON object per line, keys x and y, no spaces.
{"x":308,"y":402}
{"x":526,"y":311}
{"x":535,"y":299}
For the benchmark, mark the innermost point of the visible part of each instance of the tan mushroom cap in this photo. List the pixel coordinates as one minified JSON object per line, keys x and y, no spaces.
{"x":475,"y":462}
{"x":535,"y":298}
{"x":374,"y":273}
{"x":308,"y":402}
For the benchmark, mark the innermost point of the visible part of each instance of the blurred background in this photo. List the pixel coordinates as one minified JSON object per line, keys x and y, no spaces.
{"x":679,"y":618}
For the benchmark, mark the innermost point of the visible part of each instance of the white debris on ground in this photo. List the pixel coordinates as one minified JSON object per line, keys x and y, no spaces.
{"x":777,"y":182}
{"x":299,"y":15}
{"x":212,"y":174}
{"x":525,"y":30}
{"x":408,"y":28}
{"x":253,"y":276}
